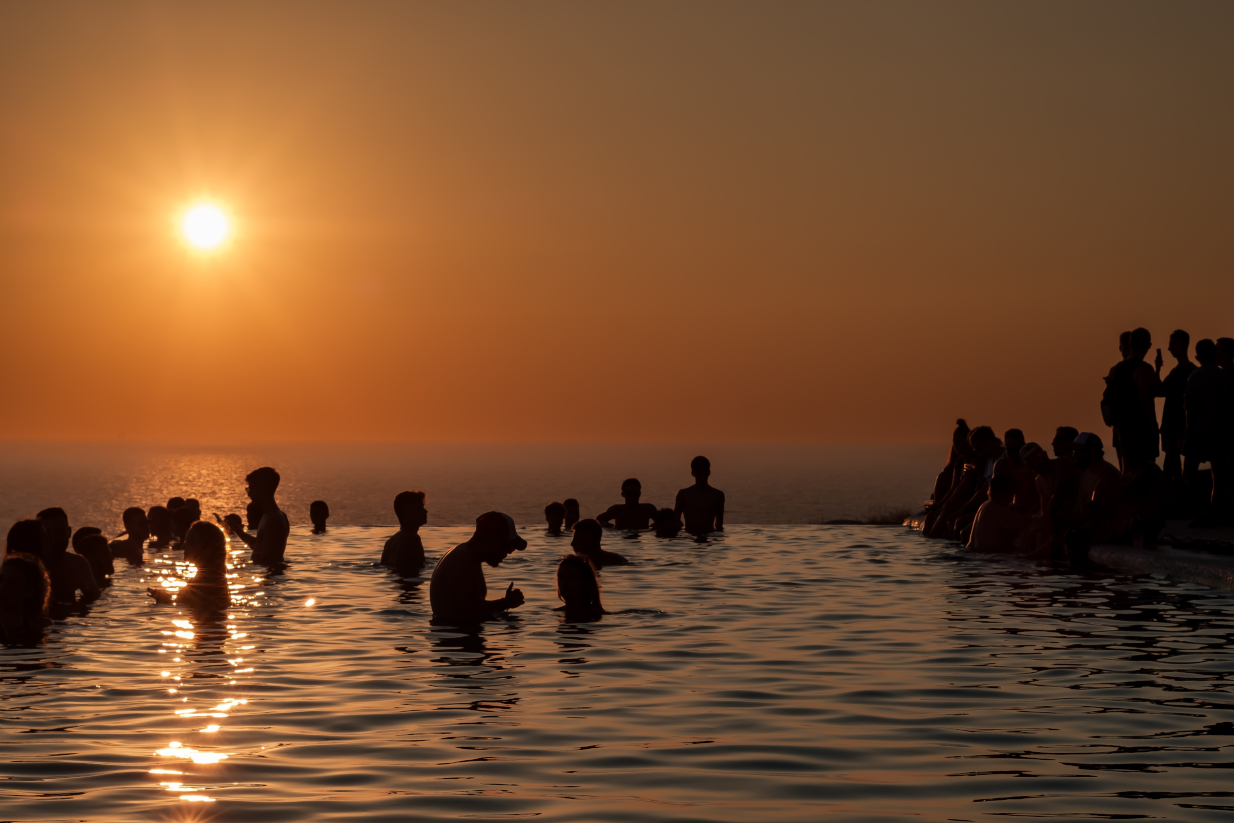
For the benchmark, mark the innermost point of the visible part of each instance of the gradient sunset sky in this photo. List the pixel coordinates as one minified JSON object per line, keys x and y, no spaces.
{"x":827,"y":222}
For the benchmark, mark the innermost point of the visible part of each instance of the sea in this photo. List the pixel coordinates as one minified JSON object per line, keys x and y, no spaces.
{"x":778,"y":671}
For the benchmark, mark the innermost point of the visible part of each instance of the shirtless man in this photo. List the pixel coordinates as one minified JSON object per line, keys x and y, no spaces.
{"x":319,"y":513}
{"x":998,"y":522}
{"x":68,"y":572}
{"x":586,"y":541}
{"x":700,"y":505}
{"x":403,"y":551}
{"x":270,"y":542}
{"x":630,"y":514}
{"x":159,"y":519}
{"x":572,"y":516}
{"x":555,"y":518}
{"x":1027,"y":501}
{"x":137,"y":532}
{"x":458,"y":591}
{"x":1100,"y":487}
{"x":1057,"y":487}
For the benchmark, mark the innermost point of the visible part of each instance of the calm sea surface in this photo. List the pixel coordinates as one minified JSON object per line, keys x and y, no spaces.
{"x":774,"y":674}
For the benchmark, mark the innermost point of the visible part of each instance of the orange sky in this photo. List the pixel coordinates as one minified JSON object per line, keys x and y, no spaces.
{"x":626,"y":221}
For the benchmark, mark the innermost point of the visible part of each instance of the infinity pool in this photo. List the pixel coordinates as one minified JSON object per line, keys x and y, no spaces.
{"x":774,"y":674}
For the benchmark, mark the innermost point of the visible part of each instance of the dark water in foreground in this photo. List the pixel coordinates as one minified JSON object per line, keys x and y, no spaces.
{"x":776,"y":674}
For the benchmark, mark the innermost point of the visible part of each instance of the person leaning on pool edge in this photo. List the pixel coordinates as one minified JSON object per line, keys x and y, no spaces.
{"x":457,"y":591}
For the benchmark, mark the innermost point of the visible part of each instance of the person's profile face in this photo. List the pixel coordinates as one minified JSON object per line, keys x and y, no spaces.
{"x":494,"y":551}
{"x":419,"y":515}
{"x":58,"y":531}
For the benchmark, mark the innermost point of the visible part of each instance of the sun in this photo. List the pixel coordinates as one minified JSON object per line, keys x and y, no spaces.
{"x":205,"y":227}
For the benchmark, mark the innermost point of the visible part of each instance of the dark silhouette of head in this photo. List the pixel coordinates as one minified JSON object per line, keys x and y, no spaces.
{"x":252,"y":513}
{"x":1141,"y":342}
{"x":205,"y":546}
{"x":587,"y":535}
{"x":410,"y":510}
{"x":1002,"y":489}
{"x":985,"y":443}
{"x":1064,"y":440}
{"x":174,"y":503}
{"x":1124,"y":344}
{"x":631,"y":490}
{"x":27,"y":536}
{"x":578,"y":586}
{"x":56,"y":524}
{"x":82,"y":533}
{"x":181,"y":520}
{"x":1013,"y":439}
{"x":136,"y":524}
{"x":700,"y":467}
{"x":1087,"y":450}
{"x":666,"y":523}
{"x":1035,"y":458}
{"x":193,"y":505}
{"x":555,"y":516}
{"x":319,"y":513}
{"x":262,"y":483}
{"x":571,"y":506}
{"x":492,"y":538}
{"x":25,"y":594}
{"x":159,"y":518}
{"x":1180,"y":341}
{"x":1206,"y":352}
{"x":1225,"y":352}
{"x":94,"y":548}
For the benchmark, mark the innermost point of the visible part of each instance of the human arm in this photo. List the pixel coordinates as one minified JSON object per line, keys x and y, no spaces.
{"x":606,"y":519}
{"x":236,"y":526}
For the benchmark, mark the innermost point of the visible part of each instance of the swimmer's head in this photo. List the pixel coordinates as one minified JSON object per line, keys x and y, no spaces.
{"x":159,"y":518}
{"x":319,"y":513}
{"x":631,"y":490}
{"x":181,"y":519}
{"x":410,"y":510}
{"x":27,"y":536}
{"x":206,"y":546}
{"x":25,"y":592}
{"x":700,"y":467}
{"x":492,"y":538}
{"x":571,"y":506}
{"x":1002,"y":488}
{"x":587,"y":535}
{"x":555,"y":516}
{"x":262,"y":482}
{"x":174,"y":503}
{"x":577,"y":584}
{"x":84,"y":532}
{"x":666,"y":523}
{"x":135,"y":523}
{"x":56,"y":523}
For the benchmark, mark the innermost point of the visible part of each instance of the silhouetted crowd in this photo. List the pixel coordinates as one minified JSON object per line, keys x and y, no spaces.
{"x":41,"y":579}
{"x":1010,"y":495}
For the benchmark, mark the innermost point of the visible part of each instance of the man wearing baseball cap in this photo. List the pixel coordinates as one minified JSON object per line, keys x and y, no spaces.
{"x":457,"y":590}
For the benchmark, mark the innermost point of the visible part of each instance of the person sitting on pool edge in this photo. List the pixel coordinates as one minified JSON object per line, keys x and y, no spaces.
{"x":457,"y":590}
{"x":555,"y":517}
{"x":404,"y":551}
{"x":998,"y":523}
{"x":69,"y":572}
{"x":572,"y":516}
{"x":205,"y":546}
{"x":586,"y":541}
{"x":630,"y":515}
{"x":700,"y":505}
{"x":319,"y":513}
{"x":269,"y":544}
{"x":25,"y":596}
{"x":578,"y":589}
{"x":136,"y":533}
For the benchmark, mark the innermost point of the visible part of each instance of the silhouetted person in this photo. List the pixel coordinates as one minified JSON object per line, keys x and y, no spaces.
{"x":132,"y":546}
{"x":578,"y":588}
{"x":69,"y":572}
{"x":1064,"y":439}
{"x":181,"y":520}
{"x":1100,"y":486}
{"x":1058,"y":487}
{"x":25,"y":595}
{"x":1026,"y":500}
{"x":555,"y":517}
{"x":700,"y":505}
{"x":1129,"y":404}
{"x":174,"y":503}
{"x":586,"y":541}
{"x":319,"y":513}
{"x":27,"y":536}
{"x":947,"y":480}
{"x":998,"y":523}
{"x":270,"y":542}
{"x":159,"y":518}
{"x":970,"y":491}
{"x":93,"y":546}
{"x":193,"y":505}
{"x":404,"y":552}
{"x":458,"y":591}
{"x":630,"y":515}
{"x":1207,"y":401}
{"x":667,"y":523}
{"x":252,"y":513}
{"x":1174,"y":415}
{"x":572,"y":516}
{"x":205,"y":546}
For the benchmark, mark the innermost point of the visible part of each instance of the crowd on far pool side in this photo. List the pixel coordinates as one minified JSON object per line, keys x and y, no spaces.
{"x":1011,"y":495}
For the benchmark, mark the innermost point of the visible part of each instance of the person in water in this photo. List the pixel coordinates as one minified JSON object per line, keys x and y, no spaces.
{"x":586,"y":542}
{"x":998,"y":522}
{"x":630,"y":515}
{"x":269,"y":544}
{"x":159,"y":518}
{"x":555,"y":517}
{"x":93,"y":546}
{"x":572,"y":515}
{"x":181,"y":519}
{"x":404,"y":551}
{"x":193,"y":505}
{"x":458,"y":591}
{"x":69,"y":572}
{"x":578,"y":588}
{"x":136,"y":532}
{"x":205,"y":547}
{"x":174,"y":503}
{"x":701,"y":506}
{"x":25,"y":596}
{"x":666,"y":523}
{"x":319,"y":513}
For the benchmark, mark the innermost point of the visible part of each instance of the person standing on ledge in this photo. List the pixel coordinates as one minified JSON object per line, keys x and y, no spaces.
{"x":457,"y":590}
{"x":700,"y":505}
{"x":1129,"y":405}
{"x":270,"y":542}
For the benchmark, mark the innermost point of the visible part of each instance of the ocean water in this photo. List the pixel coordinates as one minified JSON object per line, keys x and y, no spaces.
{"x":780,"y":673}
{"x":765,"y":484}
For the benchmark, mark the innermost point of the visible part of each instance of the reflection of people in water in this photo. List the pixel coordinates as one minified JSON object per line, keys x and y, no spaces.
{"x":458,"y":591}
{"x":319,"y":513}
{"x":700,"y":505}
{"x":131,"y":547}
{"x":25,"y":595}
{"x":630,"y":514}
{"x":159,"y":518}
{"x":270,"y":542}
{"x":206,"y":548}
{"x":578,"y":588}
{"x":667,"y":523}
{"x":998,"y":522}
{"x":586,"y":542}
{"x":69,"y":573}
{"x":555,"y":517}
{"x":572,"y":515}
{"x":404,"y":551}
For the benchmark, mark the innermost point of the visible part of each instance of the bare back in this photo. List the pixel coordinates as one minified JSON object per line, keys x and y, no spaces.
{"x":702,"y":508}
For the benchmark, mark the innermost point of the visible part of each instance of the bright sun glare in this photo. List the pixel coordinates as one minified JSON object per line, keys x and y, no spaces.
{"x":205,"y":227}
